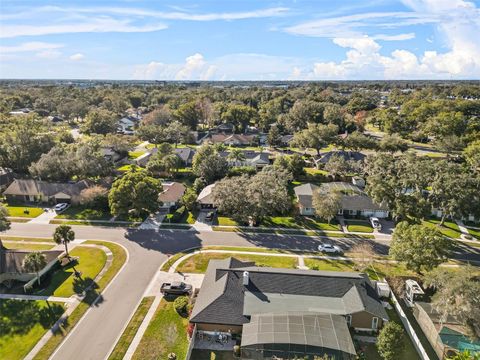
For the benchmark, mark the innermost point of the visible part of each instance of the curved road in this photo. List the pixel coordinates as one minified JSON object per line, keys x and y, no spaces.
{"x":96,"y":333}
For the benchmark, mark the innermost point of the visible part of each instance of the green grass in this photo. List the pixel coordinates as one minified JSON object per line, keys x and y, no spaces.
{"x":198,"y":263}
{"x":19,"y":211}
{"x":359,"y":226}
{"x":129,"y":333}
{"x":23,"y":324}
{"x":23,"y":246}
{"x":198,"y":354}
{"x":64,"y":284}
{"x":188,"y":217}
{"x":226,"y":221}
{"x":300,"y":222}
{"x":132,"y":155}
{"x":314,"y":171}
{"x":119,"y":258}
{"x":166,"y":333}
{"x":449,"y":228}
{"x":474,"y":233}
{"x":124,"y":168}
{"x":83,"y":213}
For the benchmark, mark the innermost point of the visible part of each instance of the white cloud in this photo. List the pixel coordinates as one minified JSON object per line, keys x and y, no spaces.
{"x":91,"y":25}
{"x":399,"y":37}
{"x":29,"y":47}
{"x":49,"y":54}
{"x":77,"y":57}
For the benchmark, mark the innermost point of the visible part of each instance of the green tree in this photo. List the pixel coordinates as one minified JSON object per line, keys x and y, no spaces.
{"x":189,"y":199}
{"x":63,"y":235}
{"x":316,"y":136}
{"x":293,"y":164}
{"x":391,"y":341}
{"x":274,"y":137}
{"x":357,"y":141}
{"x":472,"y":154}
{"x":337,"y":167}
{"x":301,"y":114}
{"x":240,"y":116}
{"x":465,"y":355}
{"x":236,"y":155}
{"x":135,"y":192}
{"x":189,"y":114}
{"x":457,"y":295}
{"x":34,"y":262}
{"x":419,"y":247}
{"x":100,"y":121}
{"x":4,"y":222}
{"x":393,"y":143}
{"x":208,"y":164}
{"x":327,"y":204}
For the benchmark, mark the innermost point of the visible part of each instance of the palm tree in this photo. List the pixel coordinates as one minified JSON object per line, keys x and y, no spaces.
{"x":63,"y":235}
{"x":236,"y":155}
{"x":34,"y":262}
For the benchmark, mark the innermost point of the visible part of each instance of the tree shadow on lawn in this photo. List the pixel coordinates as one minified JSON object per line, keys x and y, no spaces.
{"x":19,"y":316}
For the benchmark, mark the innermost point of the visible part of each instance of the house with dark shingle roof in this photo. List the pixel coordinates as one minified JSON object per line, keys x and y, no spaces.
{"x":255,"y":159}
{"x":354,"y":200}
{"x":29,"y":190}
{"x":261,"y":304}
{"x":346,"y":155}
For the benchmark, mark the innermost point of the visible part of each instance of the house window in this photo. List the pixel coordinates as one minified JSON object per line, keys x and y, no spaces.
{"x":340,"y":212}
{"x":352,"y":212}
{"x":374,"y":323}
{"x":349,"y":320}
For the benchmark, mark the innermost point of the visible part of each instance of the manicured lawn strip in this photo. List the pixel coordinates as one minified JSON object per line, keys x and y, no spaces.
{"x":198,"y":263}
{"x":129,"y":333}
{"x":119,"y":258}
{"x":188,"y":217}
{"x":298,"y":223}
{"x":359,"y":226}
{"x":64,"y":284}
{"x":124,"y":168}
{"x":256,"y":249}
{"x":226,"y":221}
{"x":135,"y":154}
{"x":474,"y":233}
{"x":449,"y":228}
{"x":175,"y":226}
{"x":31,"y":320}
{"x":22,"y":238}
{"x":97,"y":223}
{"x":166,"y":333}
{"x":329,"y":265}
{"x":23,"y":246}
{"x":83,"y":213}
{"x":18,"y":211}
{"x":19,"y":220}
{"x":291,"y":232}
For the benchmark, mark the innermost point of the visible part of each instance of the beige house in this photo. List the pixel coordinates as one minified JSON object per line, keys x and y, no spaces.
{"x":171,"y":195}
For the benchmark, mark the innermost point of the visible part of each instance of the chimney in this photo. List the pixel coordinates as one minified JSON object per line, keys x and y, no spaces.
{"x":245,"y":278}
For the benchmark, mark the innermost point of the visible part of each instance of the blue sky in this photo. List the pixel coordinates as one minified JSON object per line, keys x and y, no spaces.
{"x":240,"y":40}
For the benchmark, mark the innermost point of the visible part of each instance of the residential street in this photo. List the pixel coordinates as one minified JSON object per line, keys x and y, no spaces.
{"x":97,"y":332}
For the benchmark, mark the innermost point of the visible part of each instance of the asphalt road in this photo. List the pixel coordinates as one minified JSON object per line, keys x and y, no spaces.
{"x":96,"y":333}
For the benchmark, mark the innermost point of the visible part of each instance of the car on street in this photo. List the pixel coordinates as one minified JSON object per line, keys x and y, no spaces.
{"x":176,"y":288}
{"x":61,"y":207}
{"x":210,"y":216}
{"x":329,"y":248}
{"x":376,"y":223}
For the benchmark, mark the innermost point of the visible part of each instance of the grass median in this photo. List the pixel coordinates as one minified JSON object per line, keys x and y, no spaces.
{"x":130,"y":331}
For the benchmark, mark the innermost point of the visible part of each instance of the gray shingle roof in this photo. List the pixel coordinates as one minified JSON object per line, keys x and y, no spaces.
{"x":347,"y":155}
{"x":37,"y":187}
{"x":222,"y":297}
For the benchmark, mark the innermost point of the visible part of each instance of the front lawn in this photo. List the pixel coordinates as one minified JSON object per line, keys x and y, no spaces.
{"x":166,"y":333}
{"x":125,"y":168}
{"x":226,"y":221}
{"x":63,"y":283}
{"x":132,"y":155}
{"x":23,"y":323}
{"x":198,"y":263}
{"x":23,"y":211}
{"x":449,"y":228}
{"x":300,"y":222}
{"x":84,"y":213}
{"x":329,"y":265}
{"x":474,"y":233}
{"x":23,"y":246}
{"x":359,"y":226}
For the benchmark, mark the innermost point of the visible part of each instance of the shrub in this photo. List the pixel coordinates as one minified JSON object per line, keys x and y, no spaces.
{"x":172,"y":356}
{"x":180,"y":304}
{"x":390,"y":342}
{"x":178,"y":214}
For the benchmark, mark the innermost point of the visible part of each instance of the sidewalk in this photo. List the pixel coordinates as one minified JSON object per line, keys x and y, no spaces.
{"x":44,"y":218}
{"x":37,"y":297}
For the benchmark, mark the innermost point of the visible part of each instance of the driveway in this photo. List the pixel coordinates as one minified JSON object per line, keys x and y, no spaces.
{"x":45,"y":217}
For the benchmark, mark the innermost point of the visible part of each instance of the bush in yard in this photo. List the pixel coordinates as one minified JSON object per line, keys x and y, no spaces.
{"x":177,"y":215}
{"x":390,"y":342}
{"x":180,"y":304}
{"x":95,"y":197}
{"x":172,"y":356}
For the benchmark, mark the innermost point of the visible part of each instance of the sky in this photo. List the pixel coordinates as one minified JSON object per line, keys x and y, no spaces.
{"x":240,"y":40}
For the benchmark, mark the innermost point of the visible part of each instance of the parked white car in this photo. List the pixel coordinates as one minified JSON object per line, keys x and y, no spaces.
{"x":60,"y":207}
{"x":376,"y":223}
{"x":329,"y":249}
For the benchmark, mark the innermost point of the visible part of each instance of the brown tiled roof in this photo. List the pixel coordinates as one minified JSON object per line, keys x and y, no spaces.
{"x":172,"y":192}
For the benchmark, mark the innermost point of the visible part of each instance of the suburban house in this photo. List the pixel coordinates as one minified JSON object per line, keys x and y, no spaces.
{"x":346,"y":155}
{"x":23,"y":111}
{"x":185,"y":154}
{"x":11,"y":265}
{"x":6,"y":177}
{"x":231,"y":139}
{"x":447,"y":336}
{"x":171,"y":195}
{"x":111,"y":155}
{"x":126,"y":125}
{"x":255,"y":159}
{"x":44,"y":192}
{"x":205,"y":198}
{"x":355,"y":202}
{"x":284,"y":312}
